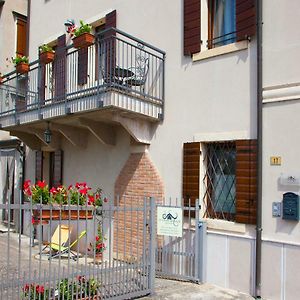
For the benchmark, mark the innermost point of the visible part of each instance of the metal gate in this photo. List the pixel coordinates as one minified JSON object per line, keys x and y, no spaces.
{"x":82,"y":251}
{"x":182,"y":257}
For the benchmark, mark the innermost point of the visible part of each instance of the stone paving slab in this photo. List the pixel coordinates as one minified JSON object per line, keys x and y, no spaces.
{"x":173,"y":290}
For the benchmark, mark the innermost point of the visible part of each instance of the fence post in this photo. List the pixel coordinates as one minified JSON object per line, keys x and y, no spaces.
{"x":197,"y":242}
{"x":202,"y":250}
{"x":152,"y":244}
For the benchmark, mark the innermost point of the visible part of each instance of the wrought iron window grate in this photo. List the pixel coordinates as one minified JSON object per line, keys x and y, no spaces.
{"x":219,"y":180}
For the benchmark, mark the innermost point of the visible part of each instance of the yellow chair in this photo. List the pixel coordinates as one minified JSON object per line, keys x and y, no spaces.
{"x":58,"y":249}
{"x":59,"y":238}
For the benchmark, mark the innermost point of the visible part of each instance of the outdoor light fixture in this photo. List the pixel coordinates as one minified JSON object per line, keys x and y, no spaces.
{"x":70,"y":25}
{"x":48,"y":135}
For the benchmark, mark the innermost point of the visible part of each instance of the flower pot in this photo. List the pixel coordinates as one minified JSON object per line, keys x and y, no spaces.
{"x":83,"y":40}
{"x":69,"y":214}
{"x":74,"y":214}
{"x":22,"y":68}
{"x":46,"y":57}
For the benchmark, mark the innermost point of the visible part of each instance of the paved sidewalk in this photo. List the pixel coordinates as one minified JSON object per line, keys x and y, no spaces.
{"x":171,"y":290}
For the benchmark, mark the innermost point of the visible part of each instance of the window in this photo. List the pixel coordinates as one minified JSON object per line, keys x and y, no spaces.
{"x":220,"y":180}
{"x":221,"y":22}
{"x":228,"y":171}
{"x":212,"y":23}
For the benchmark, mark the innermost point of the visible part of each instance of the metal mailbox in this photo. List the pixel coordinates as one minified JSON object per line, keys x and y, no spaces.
{"x":290,"y":206}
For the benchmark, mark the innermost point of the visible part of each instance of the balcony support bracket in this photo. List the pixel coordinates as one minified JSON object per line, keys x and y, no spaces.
{"x":76,"y":136}
{"x":104,"y":133}
{"x":141,"y":130}
{"x":29,"y":139}
{"x":39,"y":133}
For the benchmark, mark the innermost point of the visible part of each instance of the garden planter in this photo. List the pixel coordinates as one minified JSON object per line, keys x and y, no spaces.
{"x":98,"y":258}
{"x":46,"y":57}
{"x":22,"y":68}
{"x":83,"y":40}
{"x":69,"y":214}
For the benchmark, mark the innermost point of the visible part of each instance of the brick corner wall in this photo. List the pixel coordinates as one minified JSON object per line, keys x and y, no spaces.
{"x":138,"y":179}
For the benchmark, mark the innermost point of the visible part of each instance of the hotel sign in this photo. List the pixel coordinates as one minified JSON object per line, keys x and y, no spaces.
{"x":169,"y":221}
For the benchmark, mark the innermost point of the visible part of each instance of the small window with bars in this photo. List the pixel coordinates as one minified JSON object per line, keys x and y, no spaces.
{"x":220,"y":180}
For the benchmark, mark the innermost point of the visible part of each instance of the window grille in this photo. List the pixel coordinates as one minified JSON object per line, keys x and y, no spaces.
{"x":219,"y":180}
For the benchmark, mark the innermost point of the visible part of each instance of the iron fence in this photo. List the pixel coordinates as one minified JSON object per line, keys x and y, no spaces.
{"x":78,"y":251}
{"x":183,"y":257}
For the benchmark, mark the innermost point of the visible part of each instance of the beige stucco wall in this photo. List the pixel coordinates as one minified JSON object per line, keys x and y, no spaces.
{"x":281,"y":80}
{"x":212,"y":97}
{"x":201,"y":97}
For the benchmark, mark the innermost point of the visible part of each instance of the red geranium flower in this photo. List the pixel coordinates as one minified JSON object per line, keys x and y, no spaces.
{"x":40,"y":289}
{"x":28,"y":192}
{"x":41,"y":184}
{"x":91,"y":198}
{"x":26,"y":184}
{"x":34,"y":221}
{"x":83,"y":191}
{"x":53,"y":190}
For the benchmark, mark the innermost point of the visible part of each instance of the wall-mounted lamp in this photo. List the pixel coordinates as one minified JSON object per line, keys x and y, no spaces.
{"x":70,"y":26}
{"x":48,"y":135}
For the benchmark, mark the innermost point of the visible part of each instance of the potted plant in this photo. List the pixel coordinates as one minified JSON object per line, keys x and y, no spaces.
{"x":83,"y":37}
{"x":98,"y":246}
{"x":79,"y":288}
{"x":21,"y":63}
{"x":46,"y":54}
{"x":72,"y":197}
{"x":34,"y":292}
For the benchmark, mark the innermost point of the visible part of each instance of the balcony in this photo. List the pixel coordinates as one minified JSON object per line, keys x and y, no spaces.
{"x":118,"y":79}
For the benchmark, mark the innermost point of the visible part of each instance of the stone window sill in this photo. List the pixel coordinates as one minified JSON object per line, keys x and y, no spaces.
{"x":234,"y":47}
{"x":215,"y":224}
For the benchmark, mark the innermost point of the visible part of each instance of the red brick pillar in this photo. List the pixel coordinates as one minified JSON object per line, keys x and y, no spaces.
{"x":138,"y":179}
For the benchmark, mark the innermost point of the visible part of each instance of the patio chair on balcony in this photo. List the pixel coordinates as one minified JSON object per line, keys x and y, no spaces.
{"x":140,"y":72}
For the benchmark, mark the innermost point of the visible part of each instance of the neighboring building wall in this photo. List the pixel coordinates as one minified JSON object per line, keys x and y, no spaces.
{"x":281,"y":107}
{"x":8,"y":32}
{"x":8,"y":38}
{"x":10,"y":156}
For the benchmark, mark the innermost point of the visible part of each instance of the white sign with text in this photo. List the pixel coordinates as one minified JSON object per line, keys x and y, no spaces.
{"x":169,"y":221}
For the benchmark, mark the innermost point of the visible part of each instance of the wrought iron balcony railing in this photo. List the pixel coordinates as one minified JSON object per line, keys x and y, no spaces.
{"x":116,"y":70}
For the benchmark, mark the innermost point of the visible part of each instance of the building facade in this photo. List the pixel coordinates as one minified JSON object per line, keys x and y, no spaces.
{"x":180,"y":122}
{"x":13,"y":39}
